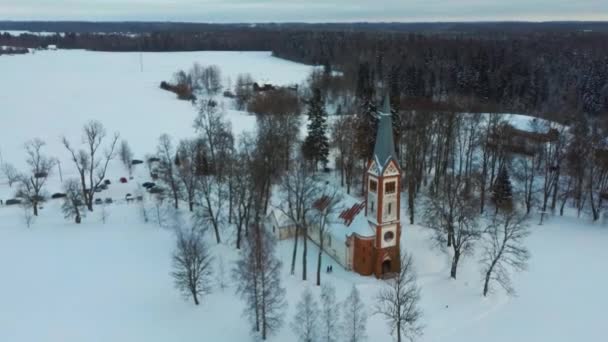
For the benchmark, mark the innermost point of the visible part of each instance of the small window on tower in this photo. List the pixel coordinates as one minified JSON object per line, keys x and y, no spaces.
{"x":390,"y":207}
{"x":372,"y":206}
{"x":388,"y":236}
{"x":390,"y":188}
{"x":373,"y":185}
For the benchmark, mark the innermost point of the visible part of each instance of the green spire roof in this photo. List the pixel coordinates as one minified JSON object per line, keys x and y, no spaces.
{"x":384,"y":150}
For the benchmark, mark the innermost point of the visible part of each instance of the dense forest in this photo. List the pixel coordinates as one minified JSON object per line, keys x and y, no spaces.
{"x":553,"y":70}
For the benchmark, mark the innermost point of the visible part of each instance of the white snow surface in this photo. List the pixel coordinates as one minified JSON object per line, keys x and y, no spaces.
{"x":54,"y":93}
{"x":62,"y":282}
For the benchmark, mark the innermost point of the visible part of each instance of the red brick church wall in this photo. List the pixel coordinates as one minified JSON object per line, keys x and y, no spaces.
{"x":364,"y":258}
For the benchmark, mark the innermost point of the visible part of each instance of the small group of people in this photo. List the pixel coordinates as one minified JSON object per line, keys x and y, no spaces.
{"x":329,"y":269}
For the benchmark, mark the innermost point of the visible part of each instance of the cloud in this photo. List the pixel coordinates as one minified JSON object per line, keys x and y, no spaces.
{"x":304,"y":10}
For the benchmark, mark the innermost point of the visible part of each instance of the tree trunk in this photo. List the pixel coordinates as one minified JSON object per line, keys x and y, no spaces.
{"x":486,"y":284}
{"x":295,"y":251}
{"x":239,"y":230}
{"x":319,"y":258}
{"x":217,"y":232}
{"x":398,"y":332}
{"x":304,"y":251}
{"x":454,"y":264}
{"x":194,"y":296}
{"x":35,"y":205}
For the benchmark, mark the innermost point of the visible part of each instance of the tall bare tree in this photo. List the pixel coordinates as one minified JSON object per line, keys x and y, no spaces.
{"x":504,"y":250}
{"x":330,"y":314}
{"x":90,"y":164}
{"x":257,"y":273}
{"x":452,"y":216}
{"x":186,"y":163}
{"x":354,"y":324}
{"x":343,"y":140}
{"x":126,"y":156}
{"x":167,"y":170}
{"x":306,"y":320}
{"x":210,"y":197}
{"x":398,"y":302}
{"x":298,"y":191}
{"x":11,"y":174}
{"x":73,"y":205}
{"x":32,"y":184}
{"x":192,"y":268}
{"x":329,"y":205}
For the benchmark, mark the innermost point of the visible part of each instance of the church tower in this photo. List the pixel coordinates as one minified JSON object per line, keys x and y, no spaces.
{"x":383,"y":196}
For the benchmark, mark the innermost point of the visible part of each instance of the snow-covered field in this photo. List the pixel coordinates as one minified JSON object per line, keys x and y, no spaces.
{"x":110,"y":282}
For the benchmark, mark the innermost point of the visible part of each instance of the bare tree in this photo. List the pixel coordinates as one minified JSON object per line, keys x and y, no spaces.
{"x":305,"y":323}
{"x":210,"y":198}
{"x":73,"y":204}
{"x":243,"y":90}
{"x":221,"y":279}
{"x":328,"y":206}
{"x":214,"y":129}
{"x":245,"y":189}
{"x":167,"y":170}
{"x":104,"y":214}
{"x":257,"y":273}
{"x":298,"y":192}
{"x":504,"y":250}
{"x":28,"y":217}
{"x":40,"y":166}
{"x":11,"y":174}
{"x":452,"y":216}
{"x":398,"y":302}
{"x":126,"y":156}
{"x":330,"y":314}
{"x":90,"y":165}
{"x":525,"y":172}
{"x":191,"y":264}
{"x":185,"y":161}
{"x":354,"y":324}
{"x":343,"y":139}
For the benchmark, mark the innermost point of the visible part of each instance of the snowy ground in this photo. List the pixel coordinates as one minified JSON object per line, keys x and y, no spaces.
{"x":110,"y":282}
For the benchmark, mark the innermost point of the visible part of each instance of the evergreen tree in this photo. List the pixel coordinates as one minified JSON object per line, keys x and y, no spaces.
{"x":502,"y":192}
{"x":316,"y":145}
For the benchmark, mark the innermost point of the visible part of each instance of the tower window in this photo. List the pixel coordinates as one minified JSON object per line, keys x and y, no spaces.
{"x":389,"y":188}
{"x":373,"y":185}
{"x":372,"y":205}
{"x":389,"y":236}
{"x":390,"y":207}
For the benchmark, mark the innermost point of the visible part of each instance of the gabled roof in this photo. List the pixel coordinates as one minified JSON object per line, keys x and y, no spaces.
{"x":384,"y":150}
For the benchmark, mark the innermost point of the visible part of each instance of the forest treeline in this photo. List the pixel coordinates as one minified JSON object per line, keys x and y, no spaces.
{"x":553,"y":71}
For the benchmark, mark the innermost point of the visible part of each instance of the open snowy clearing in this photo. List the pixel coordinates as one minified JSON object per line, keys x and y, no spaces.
{"x":54,"y":93}
{"x":111,"y":282}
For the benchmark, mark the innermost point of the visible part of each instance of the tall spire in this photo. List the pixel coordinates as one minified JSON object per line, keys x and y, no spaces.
{"x":384,"y":150}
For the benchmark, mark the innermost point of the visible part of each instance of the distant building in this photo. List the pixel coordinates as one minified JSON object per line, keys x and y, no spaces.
{"x":364,"y":236}
{"x":51,"y":47}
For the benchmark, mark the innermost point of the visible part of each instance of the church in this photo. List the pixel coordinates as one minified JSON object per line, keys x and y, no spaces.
{"x":364,"y":235}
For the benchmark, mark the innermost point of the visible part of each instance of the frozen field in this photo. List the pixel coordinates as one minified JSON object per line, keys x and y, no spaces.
{"x":110,"y":282}
{"x":54,"y":93}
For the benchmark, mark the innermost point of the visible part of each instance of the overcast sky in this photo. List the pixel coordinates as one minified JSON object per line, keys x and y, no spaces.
{"x":304,"y":10}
